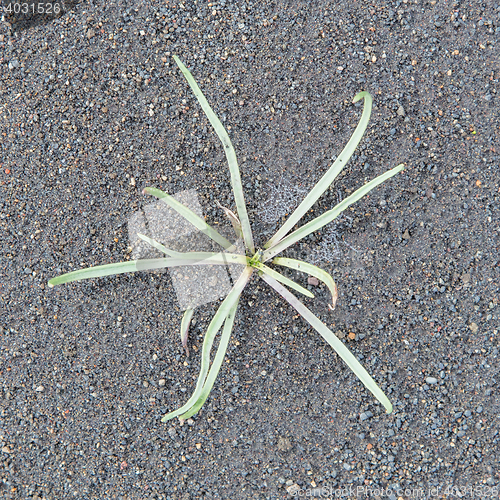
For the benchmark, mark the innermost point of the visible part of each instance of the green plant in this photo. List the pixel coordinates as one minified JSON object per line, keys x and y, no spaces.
{"x":253,"y":260}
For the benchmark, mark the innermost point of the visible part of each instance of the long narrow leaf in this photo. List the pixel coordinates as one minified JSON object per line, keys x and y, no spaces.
{"x":190,"y":216}
{"x":158,"y":246}
{"x":212,"y":330}
{"x":200,"y":258}
{"x":332,"y":339}
{"x":315,"y":271}
{"x":216,"y":364}
{"x":230,"y":155}
{"x":328,"y":216}
{"x":324,"y":183}
{"x":208,"y":258}
{"x":283,"y":279}
{"x":108,"y":270}
{"x":187,"y":259}
{"x":186,"y":321}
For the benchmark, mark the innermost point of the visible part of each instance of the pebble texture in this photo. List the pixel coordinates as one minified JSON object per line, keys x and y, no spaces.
{"x":93,"y":109}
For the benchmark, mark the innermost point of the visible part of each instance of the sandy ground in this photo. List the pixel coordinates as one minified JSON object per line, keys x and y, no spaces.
{"x":93,"y":109}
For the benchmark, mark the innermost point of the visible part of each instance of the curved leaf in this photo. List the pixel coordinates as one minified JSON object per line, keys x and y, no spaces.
{"x":216,"y":364}
{"x":282,"y":279}
{"x":212,"y":330}
{"x":315,"y":271}
{"x":324,"y":183}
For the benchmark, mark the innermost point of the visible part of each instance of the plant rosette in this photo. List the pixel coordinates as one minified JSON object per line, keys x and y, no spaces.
{"x":254,"y":259}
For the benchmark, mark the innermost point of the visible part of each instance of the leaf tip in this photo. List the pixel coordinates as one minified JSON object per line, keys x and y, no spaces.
{"x":360,"y":95}
{"x":168,"y":417}
{"x":51,"y":285}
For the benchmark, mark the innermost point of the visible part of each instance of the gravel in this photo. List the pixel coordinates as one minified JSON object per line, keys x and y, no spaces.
{"x":94,"y":109}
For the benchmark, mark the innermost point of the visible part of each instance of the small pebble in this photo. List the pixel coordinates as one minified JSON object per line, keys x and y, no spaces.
{"x":431,"y":380}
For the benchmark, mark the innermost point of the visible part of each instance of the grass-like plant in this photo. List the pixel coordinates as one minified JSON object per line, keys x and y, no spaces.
{"x":254,"y":259}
